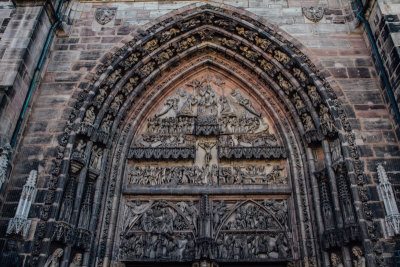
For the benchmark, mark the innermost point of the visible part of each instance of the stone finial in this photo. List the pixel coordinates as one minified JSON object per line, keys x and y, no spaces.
{"x":386,"y":195}
{"x":20,"y":224}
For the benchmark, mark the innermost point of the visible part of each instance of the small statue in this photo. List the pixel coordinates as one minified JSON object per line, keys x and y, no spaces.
{"x":90,"y":116}
{"x":80,"y":147}
{"x":360,"y":260}
{"x":336,"y":260}
{"x":77,"y":261}
{"x":116,"y":104}
{"x":107,"y":122}
{"x":54,"y":259}
{"x":95,"y":160}
{"x":207,"y":148}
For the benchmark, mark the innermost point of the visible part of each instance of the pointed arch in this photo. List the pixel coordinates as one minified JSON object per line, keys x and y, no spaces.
{"x":109,"y":111}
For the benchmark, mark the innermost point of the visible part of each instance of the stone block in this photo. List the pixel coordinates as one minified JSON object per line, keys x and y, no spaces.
{"x":91,"y":55}
{"x":376,"y":124}
{"x":68,"y":76}
{"x":66,"y":55}
{"x":44,"y":114}
{"x":387,"y":150}
{"x":38,"y":139}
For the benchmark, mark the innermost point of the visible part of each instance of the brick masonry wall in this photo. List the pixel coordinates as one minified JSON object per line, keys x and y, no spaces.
{"x":20,"y":48}
{"x":341,"y":50}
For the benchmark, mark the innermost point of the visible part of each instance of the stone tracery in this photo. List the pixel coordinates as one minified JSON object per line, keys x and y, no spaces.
{"x":315,"y":118}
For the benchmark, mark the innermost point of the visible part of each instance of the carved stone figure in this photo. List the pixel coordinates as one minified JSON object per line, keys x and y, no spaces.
{"x":284,"y":84}
{"x":167,"y":35}
{"x":299,"y":104}
{"x":116,"y":104}
{"x":80,"y":146}
{"x":313,"y":94}
{"x":101,"y":95}
{"x":307,"y":122}
{"x":268,"y":67}
{"x":150,"y":46}
{"x":336,"y":260}
{"x":77,"y":261}
{"x":90,"y":116}
{"x":114,"y":77}
{"x":170,"y":103}
{"x":54,"y":259}
{"x":146,"y":69}
{"x":262,"y":43}
{"x":281,"y":57}
{"x":95,"y":159}
{"x":326,"y":122}
{"x":359,"y":260}
{"x":230,"y":43}
{"x":207,"y":147}
{"x":207,"y":103}
{"x":106,"y":123}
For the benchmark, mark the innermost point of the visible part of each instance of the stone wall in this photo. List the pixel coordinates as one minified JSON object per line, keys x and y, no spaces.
{"x":73,"y":60}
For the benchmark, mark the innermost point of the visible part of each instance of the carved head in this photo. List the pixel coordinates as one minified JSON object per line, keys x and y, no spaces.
{"x":78,"y":258}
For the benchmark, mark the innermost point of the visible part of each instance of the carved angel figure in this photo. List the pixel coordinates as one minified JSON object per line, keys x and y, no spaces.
{"x":54,"y":259}
{"x":307,"y":122}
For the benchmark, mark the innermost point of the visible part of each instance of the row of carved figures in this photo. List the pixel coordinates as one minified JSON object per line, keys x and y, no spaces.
{"x":193,"y":175}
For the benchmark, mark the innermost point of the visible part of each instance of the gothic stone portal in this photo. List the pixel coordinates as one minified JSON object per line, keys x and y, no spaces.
{"x":206,"y":178}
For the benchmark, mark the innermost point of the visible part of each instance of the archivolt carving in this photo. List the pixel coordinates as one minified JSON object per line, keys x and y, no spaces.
{"x":280,"y":68}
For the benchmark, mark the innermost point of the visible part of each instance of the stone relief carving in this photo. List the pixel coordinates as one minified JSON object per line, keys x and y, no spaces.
{"x":158,"y":230}
{"x":230,"y":220}
{"x":206,"y":175}
{"x":104,"y":15}
{"x":314,"y":14}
